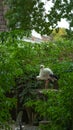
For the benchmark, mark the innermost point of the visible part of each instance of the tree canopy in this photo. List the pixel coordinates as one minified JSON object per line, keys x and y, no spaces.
{"x":29,"y":15}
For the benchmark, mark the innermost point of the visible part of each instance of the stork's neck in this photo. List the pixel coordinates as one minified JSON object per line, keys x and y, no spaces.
{"x":42,"y":68}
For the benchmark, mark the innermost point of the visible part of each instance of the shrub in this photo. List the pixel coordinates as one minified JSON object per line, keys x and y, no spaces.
{"x":19,"y":66}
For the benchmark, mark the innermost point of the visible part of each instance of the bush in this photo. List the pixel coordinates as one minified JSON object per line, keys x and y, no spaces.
{"x":19,"y":66}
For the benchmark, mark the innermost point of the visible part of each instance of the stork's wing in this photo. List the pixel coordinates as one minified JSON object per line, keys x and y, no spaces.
{"x":45,"y":75}
{"x":54,"y":76}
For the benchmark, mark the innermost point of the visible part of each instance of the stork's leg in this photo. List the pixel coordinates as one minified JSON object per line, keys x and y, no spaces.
{"x":46,"y":84}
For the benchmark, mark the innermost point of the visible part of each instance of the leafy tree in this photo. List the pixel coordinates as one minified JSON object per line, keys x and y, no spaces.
{"x":60,"y":34}
{"x":29,"y":15}
{"x":19,"y":66}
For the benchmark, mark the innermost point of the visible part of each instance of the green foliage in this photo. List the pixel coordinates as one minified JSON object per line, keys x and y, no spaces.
{"x":19,"y":66}
{"x":59,"y":33}
{"x":57,"y":108}
{"x":29,"y":15}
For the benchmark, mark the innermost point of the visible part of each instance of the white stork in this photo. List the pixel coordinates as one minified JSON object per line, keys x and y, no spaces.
{"x":46,"y":74}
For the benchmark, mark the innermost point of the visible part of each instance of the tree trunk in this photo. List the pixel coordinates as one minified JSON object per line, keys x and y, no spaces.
{"x":2,"y":17}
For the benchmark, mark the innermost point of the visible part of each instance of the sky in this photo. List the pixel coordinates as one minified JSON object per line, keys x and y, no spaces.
{"x":62,"y":24}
